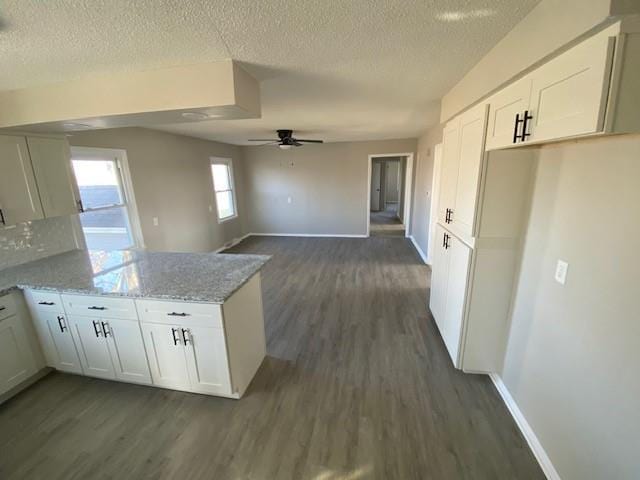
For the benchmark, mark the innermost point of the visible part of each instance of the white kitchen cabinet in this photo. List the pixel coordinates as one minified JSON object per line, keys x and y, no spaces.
{"x":57,"y":341}
{"x":126,"y":348}
{"x":19,"y":200}
{"x":54,"y":333}
{"x":449,"y":290}
{"x":188,"y":358}
{"x":51,"y":161}
{"x":111,"y":348}
{"x":569,"y":93}
{"x":206,"y":353}
{"x":439,"y":277}
{"x":589,"y":89}
{"x":167,"y":357}
{"x":505,"y":109}
{"x":462,"y":164}
{"x":473,"y":125}
{"x":17,"y":361}
{"x":92,"y":347}
{"x":449,"y":169}
{"x":454,"y":309}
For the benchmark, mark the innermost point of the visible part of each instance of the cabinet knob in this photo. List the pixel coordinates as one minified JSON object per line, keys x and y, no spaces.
{"x":48,"y":304}
{"x":61,"y":324}
{"x":525,"y":123}
{"x":96,"y":308}
{"x":515,"y":128}
{"x":176,"y":339}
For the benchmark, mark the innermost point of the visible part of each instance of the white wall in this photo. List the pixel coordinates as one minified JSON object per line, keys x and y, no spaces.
{"x":573,"y":360}
{"x":550,"y":25}
{"x":422,"y":184}
{"x":327,"y":184}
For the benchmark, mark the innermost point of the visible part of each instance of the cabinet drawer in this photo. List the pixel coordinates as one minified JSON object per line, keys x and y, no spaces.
{"x":45,"y":301}
{"x":98,"y":306}
{"x":180,"y":313}
{"x":7,"y":306}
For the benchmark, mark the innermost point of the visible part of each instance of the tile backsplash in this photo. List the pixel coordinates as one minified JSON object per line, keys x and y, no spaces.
{"x":29,"y":241}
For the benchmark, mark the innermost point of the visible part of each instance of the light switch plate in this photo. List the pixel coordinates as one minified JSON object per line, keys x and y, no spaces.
{"x":561,"y":271}
{"x":155,"y":221}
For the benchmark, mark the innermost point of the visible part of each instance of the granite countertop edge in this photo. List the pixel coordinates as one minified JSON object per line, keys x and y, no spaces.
{"x":211,"y":296}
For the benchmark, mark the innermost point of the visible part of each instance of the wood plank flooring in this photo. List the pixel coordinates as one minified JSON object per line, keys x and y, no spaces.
{"x":357,"y":385}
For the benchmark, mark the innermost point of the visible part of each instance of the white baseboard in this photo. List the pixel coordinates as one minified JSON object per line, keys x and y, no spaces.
{"x":528,"y":433}
{"x":332,"y":235}
{"x":232,"y":243}
{"x":420,"y":252}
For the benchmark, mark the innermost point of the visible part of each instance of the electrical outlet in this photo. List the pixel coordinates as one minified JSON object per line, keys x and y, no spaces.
{"x":561,"y":272}
{"x":155,"y":221}
{"x":210,"y":208}
{"x":288,"y":199}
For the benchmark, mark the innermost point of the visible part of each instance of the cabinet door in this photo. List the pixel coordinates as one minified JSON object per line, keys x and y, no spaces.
{"x":503,"y":107}
{"x":569,"y":93}
{"x":19,"y":200}
{"x":167,"y":358}
{"x":459,"y":263}
{"x":92,"y":347}
{"x":439,"y":278}
{"x":449,"y":168}
{"x":51,"y":162}
{"x":126,"y":347}
{"x":56,"y":341}
{"x":472,"y":136}
{"x":16,"y":358}
{"x":207,"y":360}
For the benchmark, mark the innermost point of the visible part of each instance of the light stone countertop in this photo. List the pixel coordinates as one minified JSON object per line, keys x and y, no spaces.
{"x":192,"y":277}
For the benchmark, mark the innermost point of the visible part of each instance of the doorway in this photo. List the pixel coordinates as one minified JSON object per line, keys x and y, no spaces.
{"x":389,"y":194}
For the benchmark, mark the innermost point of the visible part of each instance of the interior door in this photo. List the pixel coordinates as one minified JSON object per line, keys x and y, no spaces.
{"x":19,"y":200}
{"x":167,"y":358}
{"x":568,"y":95}
{"x":124,"y":340}
{"x":207,"y":360}
{"x":503,"y":108}
{"x":439,"y":278}
{"x":449,"y":169}
{"x":472,"y":136}
{"x":376,"y":178}
{"x":51,"y":160}
{"x":92,"y":346}
{"x":459,"y":264}
{"x":16,"y":359}
{"x":61,"y":353}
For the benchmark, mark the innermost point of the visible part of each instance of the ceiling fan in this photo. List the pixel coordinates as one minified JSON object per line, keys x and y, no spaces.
{"x":285,"y":141}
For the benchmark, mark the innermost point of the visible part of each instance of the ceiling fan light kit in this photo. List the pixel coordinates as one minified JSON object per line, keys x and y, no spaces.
{"x":285,"y":141}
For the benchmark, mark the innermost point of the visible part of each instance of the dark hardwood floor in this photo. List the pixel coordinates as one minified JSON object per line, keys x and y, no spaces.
{"x":357,"y":385}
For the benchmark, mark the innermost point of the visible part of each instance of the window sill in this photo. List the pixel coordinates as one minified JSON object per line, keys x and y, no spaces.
{"x":226,"y":219}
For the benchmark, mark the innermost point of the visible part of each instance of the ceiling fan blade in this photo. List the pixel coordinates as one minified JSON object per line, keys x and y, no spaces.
{"x":295,"y":143}
{"x":309,"y":141}
{"x":262,"y":140}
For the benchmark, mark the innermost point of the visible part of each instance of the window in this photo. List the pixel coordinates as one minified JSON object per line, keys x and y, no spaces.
{"x":107,"y":209}
{"x":222,"y":172}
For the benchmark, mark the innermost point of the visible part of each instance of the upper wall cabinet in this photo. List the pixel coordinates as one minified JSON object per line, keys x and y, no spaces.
{"x":19,"y":200}
{"x":35,"y":179}
{"x":51,"y":160}
{"x":575,"y":94}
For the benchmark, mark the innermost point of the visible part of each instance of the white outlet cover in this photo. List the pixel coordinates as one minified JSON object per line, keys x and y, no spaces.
{"x":155,"y":221}
{"x":562,"y":268}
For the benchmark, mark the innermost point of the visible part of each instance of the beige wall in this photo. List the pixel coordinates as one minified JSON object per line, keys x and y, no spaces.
{"x":573,"y":357}
{"x":327,"y":185}
{"x":550,"y":25}
{"x":172,"y":181}
{"x":422,"y":187}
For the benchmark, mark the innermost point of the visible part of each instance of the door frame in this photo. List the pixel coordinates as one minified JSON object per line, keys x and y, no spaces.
{"x":408,"y":188}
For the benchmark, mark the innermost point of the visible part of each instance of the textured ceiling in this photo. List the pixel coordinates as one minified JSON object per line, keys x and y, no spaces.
{"x":338,"y":70}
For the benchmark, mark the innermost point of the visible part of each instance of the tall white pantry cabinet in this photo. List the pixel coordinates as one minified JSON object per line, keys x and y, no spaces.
{"x":588,"y":89}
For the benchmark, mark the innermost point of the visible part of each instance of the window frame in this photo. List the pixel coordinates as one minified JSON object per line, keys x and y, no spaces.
{"x":119,"y":157}
{"x":228,"y":162}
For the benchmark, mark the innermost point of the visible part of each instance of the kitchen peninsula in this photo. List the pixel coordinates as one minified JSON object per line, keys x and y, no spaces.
{"x":183,"y":321}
